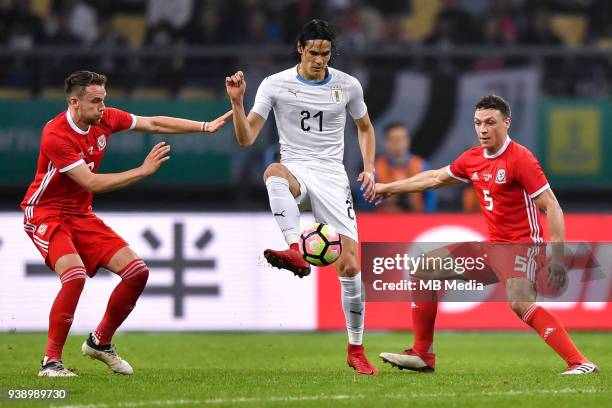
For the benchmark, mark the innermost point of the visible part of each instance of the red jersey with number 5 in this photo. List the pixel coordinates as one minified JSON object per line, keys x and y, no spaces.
{"x":506,"y":183}
{"x":63,"y":146}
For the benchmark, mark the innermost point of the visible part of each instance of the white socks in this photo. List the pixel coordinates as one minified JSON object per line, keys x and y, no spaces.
{"x":284,"y":208}
{"x":354,"y":307}
{"x":287,"y":215}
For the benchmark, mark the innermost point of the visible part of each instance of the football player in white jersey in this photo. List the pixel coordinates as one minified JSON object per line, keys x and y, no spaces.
{"x":310,"y":102}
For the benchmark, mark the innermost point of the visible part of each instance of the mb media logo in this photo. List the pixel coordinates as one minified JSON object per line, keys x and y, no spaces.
{"x":178,"y":290}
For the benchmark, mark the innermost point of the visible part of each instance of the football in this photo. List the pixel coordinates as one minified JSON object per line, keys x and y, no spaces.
{"x":320,"y":244}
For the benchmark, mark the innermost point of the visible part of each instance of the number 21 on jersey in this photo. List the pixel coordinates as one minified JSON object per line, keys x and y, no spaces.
{"x":306,"y":115}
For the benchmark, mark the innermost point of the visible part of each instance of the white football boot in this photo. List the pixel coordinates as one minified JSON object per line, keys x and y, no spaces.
{"x":107,"y":354}
{"x":578,"y":369}
{"x":410,"y":360}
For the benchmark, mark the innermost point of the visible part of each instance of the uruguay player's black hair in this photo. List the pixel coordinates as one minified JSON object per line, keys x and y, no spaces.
{"x":494,"y":102}
{"x":317,"y":30}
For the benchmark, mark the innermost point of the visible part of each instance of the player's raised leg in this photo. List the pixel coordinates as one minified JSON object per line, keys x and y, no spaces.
{"x":353,"y":305}
{"x":134,"y":274}
{"x":521,"y":294}
{"x":283,"y":188}
{"x":71,"y":272}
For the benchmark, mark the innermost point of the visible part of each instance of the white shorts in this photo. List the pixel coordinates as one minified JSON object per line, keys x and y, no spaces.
{"x":330,"y":195}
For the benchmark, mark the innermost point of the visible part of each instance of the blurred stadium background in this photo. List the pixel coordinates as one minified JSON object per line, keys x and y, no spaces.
{"x":201,"y":222}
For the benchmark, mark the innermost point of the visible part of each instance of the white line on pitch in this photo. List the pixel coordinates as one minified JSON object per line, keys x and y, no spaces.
{"x":238,"y":400}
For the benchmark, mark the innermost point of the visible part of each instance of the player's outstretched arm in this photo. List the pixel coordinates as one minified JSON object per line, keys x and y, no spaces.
{"x":100,"y":183}
{"x":367,"y":145}
{"x":169,"y":125}
{"x":247,"y":128}
{"x":427,"y":180}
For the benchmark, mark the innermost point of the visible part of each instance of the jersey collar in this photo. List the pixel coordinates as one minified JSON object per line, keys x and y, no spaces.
{"x":313,"y":83}
{"x":499,"y":152}
{"x":74,"y":126}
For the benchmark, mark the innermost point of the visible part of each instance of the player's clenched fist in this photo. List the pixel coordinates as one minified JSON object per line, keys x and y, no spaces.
{"x":155,"y":158}
{"x":235,"y":86}
{"x":367,"y":185}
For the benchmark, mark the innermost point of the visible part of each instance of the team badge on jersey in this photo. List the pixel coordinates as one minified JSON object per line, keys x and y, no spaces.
{"x":41,"y":229}
{"x":336,"y":92}
{"x":101,"y":142}
{"x":501,"y":176}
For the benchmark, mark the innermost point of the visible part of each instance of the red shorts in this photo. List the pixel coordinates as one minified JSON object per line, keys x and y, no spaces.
{"x":502,"y":261}
{"x":85,"y":235}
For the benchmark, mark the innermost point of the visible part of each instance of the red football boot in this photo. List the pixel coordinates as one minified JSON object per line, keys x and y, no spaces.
{"x":409,"y":359}
{"x":357,"y":359}
{"x":290,"y":259}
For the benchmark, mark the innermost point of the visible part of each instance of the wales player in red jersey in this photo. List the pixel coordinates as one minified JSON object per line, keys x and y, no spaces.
{"x":73,"y":241}
{"x":511,"y":187}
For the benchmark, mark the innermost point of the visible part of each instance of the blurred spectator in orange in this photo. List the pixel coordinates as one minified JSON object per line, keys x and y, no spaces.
{"x":397,"y":163}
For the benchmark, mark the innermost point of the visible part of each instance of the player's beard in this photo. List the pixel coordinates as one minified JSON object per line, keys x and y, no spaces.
{"x":95,"y":120}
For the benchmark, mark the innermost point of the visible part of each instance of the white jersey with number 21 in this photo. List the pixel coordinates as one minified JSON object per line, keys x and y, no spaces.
{"x":310,"y":116}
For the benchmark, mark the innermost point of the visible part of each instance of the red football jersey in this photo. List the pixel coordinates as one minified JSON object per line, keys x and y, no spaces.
{"x":63,"y":146}
{"x":506,"y":183}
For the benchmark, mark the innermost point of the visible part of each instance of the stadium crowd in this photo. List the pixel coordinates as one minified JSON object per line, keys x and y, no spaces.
{"x":360,"y":25}
{"x":364,"y":23}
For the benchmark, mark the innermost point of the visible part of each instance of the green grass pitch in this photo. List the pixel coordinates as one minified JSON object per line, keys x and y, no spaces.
{"x":309,"y":369}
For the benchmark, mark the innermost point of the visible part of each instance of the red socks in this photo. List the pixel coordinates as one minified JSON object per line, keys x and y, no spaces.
{"x":123,"y":299}
{"x":62,"y":311}
{"x":553,"y":333}
{"x":544,"y":323}
{"x":423,"y":322}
